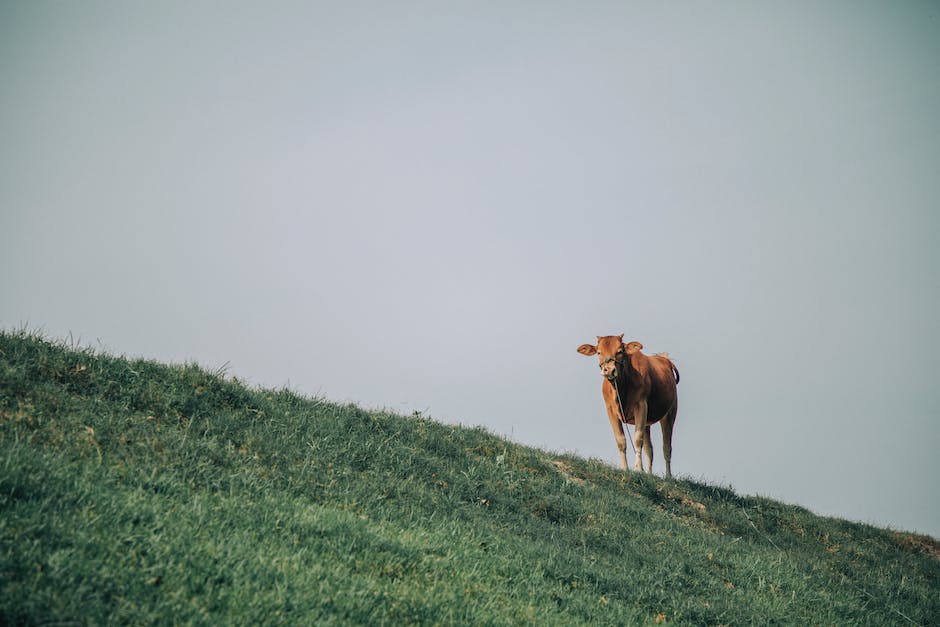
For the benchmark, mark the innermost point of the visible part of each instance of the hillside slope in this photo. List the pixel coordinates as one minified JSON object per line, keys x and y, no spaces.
{"x":134,"y":492}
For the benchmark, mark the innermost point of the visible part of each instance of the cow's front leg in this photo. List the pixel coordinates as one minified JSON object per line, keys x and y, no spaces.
{"x":617,"y":426}
{"x":612,"y":403}
{"x":648,"y":451}
{"x":640,"y":438}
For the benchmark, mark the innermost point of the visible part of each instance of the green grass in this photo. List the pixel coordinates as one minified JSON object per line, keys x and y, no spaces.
{"x":135,"y":492}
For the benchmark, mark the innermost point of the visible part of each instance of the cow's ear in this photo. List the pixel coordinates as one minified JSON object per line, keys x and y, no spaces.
{"x":587,"y":349}
{"x":633,"y":347}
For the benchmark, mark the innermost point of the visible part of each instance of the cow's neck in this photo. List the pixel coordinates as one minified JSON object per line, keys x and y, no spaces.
{"x":622,"y":380}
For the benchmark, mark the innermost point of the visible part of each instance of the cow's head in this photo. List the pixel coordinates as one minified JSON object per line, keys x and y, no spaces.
{"x":610,"y":351}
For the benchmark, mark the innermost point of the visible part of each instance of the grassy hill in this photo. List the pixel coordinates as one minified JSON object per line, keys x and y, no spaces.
{"x":135,"y":492}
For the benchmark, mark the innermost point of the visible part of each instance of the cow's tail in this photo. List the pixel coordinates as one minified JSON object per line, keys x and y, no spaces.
{"x":675,"y":371}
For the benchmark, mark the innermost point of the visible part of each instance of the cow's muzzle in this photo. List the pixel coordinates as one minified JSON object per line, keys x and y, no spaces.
{"x":609,"y":368}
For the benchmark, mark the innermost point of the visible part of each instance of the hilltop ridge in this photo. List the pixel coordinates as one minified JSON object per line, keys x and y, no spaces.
{"x":137,"y":492}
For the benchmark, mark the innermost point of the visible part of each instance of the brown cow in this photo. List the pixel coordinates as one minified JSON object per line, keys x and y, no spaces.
{"x":638,"y":390}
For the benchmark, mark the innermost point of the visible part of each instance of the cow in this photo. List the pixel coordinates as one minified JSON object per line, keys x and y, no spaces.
{"x":639,"y":390}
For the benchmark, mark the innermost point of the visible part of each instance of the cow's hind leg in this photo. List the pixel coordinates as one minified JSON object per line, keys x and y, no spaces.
{"x":667,"y":423}
{"x":648,"y":449}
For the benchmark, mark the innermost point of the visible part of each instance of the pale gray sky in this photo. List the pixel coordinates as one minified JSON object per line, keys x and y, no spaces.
{"x":429,"y":206}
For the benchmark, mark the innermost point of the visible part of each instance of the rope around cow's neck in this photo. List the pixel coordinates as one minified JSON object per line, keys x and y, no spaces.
{"x":624,"y":416}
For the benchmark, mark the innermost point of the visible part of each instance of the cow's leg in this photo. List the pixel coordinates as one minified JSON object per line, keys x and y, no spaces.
{"x":667,"y":422}
{"x":639,"y":434}
{"x":612,"y":403}
{"x":621,"y":439}
{"x":648,"y":450}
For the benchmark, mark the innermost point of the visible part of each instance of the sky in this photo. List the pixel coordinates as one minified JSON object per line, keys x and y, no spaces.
{"x":428,"y":206}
